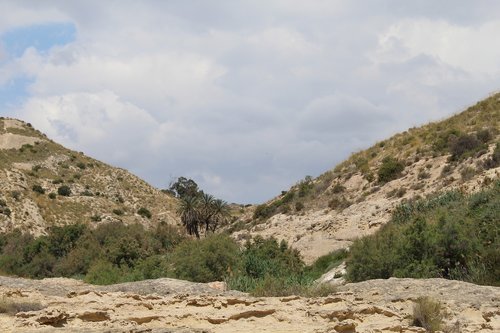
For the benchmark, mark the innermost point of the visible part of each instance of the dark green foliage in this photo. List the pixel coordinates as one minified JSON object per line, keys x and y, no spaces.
{"x":110,"y":253}
{"x":451,"y":236}
{"x":184,"y":188}
{"x":265,"y":211}
{"x":210,"y":259}
{"x":390,"y":169}
{"x":144,"y":212}
{"x":272,"y":268}
{"x":52,"y":195}
{"x":463,"y":146}
{"x":39,"y":189}
{"x":325,"y":263}
{"x":118,"y":211}
{"x":203,"y":212}
{"x":81,"y":165}
{"x":268,"y":257}
{"x":64,"y":190}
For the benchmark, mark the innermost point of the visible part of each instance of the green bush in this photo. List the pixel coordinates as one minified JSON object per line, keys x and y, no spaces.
{"x":209,"y":259}
{"x":144,"y":212}
{"x":103,"y":273}
{"x":451,"y":236}
{"x":39,"y":189}
{"x":462,"y":146}
{"x":52,"y":195}
{"x":64,"y":190}
{"x":118,"y":212}
{"x":390,"y":169}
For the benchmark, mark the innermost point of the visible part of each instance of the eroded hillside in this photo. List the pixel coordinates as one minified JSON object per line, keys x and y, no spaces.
{"x":320,"y":215}
{"x":44,"y":184}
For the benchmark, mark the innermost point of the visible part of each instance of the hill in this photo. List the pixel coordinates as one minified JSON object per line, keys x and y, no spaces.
{"x":358,"y":196}
{"x":43,"y":184}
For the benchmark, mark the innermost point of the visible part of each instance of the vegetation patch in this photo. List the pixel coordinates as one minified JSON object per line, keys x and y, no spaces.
{"x":12,"y":307}
{"x":428,"y":313}
{"x":390,"y":169}
{"x":452,"y":236}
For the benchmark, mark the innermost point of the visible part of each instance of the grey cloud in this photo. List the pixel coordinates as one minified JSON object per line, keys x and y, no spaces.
{"x":246,"y":97}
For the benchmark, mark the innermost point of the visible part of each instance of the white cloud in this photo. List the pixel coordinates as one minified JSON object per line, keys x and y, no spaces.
{"x":470,"y":48}
{"x":248,"y":97}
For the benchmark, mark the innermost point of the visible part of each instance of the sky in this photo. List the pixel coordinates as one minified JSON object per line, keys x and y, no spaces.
{"x":246,"y":97}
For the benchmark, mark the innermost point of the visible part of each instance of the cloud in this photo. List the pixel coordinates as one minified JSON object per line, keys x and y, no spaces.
{"x":469,"y":48}
{"x":245,"y":97}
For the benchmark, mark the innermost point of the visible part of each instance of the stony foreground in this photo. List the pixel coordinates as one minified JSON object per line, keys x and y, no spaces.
{"x":167,"y":305}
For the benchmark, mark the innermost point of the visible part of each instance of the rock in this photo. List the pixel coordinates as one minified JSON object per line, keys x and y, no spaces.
{"x":180,"y":306}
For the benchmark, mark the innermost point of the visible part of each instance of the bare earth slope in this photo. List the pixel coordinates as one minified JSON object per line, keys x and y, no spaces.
{"x":99,"y":193}
{"x":320,"y":215}
{"x":168,"y":305}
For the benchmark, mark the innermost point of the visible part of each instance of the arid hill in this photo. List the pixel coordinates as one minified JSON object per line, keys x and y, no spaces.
{"x":44,"y":184}
{"x":357,"y":197}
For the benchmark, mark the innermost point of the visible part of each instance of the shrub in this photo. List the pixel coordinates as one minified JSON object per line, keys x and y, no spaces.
{"x":52,"y":195}
{"x":12,"y":307}
{"x":299,"y":206}
{"x":144,"y":212}
{"x":390,"y":169}
{"x":64,"y":190}
{"x":209,"y":259}
{"x":15,"y":195}
{"x":95,"y":218}
{"x":39,"y":189}
{"x":338,"y":188}
{"x":118,"y":212}
{"x":57,"y":181}
{"x":494,"y":160}
{"x":467,"y":173}
{"x":462,"y":145}
{"x":428,"y":314}
{"x":103,"y":273}
{"x":450,"y":236}
{"x":81,"y":165}
{"x":262,"y":212}
{"x":484,"y":135}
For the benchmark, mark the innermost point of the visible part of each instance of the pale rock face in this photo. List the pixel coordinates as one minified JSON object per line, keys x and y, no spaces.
{"x":15,"y":141}
{"x":167,"y":305}
{"x":317,"y":232}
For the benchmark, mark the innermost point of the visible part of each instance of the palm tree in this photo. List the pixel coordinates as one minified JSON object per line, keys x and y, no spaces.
{"x":220,"y":213}
{"x":206,"y":209}
{"x":190,"y":214}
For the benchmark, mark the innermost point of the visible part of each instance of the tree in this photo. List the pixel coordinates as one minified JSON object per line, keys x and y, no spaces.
{"x":221,"y":213}
{"x":184,"y":188}
{"x":204,"y":210}
{"x":190,"y":215}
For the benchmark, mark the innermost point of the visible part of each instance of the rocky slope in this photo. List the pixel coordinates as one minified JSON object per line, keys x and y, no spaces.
{"x":165,"y":305}
{"x":320,"y":215}
{"x":33,"y":168}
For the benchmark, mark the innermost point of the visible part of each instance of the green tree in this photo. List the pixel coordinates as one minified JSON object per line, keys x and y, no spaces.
{"x":190,"y":215}
{"x":184,"y":188}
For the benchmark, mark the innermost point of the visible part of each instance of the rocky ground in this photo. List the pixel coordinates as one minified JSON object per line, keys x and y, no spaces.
{"x":166,"y":305}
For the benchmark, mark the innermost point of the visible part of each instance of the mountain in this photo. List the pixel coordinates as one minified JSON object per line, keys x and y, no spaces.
{"x":357,"y":197}
{"x":43,"y":184}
